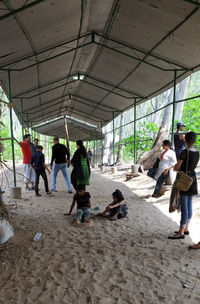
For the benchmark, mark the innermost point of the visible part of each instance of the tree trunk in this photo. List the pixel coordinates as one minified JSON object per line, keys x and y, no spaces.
{"x":121,"y":135}
{"x":181,"y":95}
{"x":149,"y":158}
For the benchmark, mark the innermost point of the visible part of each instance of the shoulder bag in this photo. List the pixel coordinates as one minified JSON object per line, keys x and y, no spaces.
{"x":184,"y":181}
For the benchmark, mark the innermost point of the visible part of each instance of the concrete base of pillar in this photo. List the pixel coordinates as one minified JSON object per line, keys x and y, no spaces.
{"x":134,"y":168}
{"x":15,"y":192}
{"x":114,"y":170}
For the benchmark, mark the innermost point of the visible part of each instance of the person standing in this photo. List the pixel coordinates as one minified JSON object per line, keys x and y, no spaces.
{"x":81,"y":167}
{"x":59,"y":153}
{"x":89,"y":154}
{"x":38,"y":163}
{"x":29,"y":174}
{"x":34,"y":146}
{"x":166,"y":163}
{"x":188,"y":160}
{"x":179,"y":139}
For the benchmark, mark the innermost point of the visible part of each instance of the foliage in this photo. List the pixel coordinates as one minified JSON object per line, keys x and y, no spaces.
{"x":191,"y":117}
{"x":145,"y":137}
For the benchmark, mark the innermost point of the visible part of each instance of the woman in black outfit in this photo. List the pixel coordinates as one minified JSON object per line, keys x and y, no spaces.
{"x":192,"y":155}
{"x":81,"y":168}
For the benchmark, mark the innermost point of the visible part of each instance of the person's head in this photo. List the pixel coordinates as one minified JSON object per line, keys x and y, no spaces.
{"x":190,"y":138}
{"x":180,"y":126}
{"x":117,"y":196}
{"x":40,"y":148}
{"x":80,"y":146}
{"x":166,"y":144}
{"x":36,"y":141}
{"x":27,"y":137}
{"x":56,"y":140}
{"x":81,"y":189}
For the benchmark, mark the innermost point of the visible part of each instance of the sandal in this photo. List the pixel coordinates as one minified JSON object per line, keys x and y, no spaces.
{"x":196,"y":246}
{"x":176,"y":237}
{"x":185,"y":232}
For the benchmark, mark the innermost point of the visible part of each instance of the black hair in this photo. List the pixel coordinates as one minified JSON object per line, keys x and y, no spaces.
{"x":36,"y":139}
{"x":82,"y":148}
{"x":190,"y":138}
{"x":56,"y":138}
{"x":167,"y":143}
{"x":26,"y":135}
{"x":118,"y":195}
{"x":81,"y":187}
{"x":39,"y":147}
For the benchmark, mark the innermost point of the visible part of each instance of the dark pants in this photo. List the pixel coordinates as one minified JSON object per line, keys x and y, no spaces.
{"x":37,"y":178}
{"x":160,"y":182}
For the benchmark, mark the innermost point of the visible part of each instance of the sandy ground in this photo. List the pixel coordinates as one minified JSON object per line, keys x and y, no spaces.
{"x":125,"y":261}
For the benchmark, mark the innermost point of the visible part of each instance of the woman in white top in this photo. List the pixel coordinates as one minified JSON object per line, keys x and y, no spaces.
{"x":167,"y":161}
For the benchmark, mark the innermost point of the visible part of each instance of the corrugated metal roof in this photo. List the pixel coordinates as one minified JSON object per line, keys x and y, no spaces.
{"x":88,"y":59}
{"x":76,"y":129}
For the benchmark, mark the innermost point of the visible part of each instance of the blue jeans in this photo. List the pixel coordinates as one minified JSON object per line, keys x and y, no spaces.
{"x":160,"y":182}
{"x":56,"y":169}
{"x":83,"y":214}
{"x":186,"y":209}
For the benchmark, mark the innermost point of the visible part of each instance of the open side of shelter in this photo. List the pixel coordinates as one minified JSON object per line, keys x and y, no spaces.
{"x":92,"y":60}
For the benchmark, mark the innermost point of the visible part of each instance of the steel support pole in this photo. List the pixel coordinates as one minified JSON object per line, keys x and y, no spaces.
{"x":94,"y":151}
{"x":102,"y":144}
{"x":174,"y":105}
{"x":22,"y":122}
{"x":66,"y":133}
{"x":113,"y":113}
{"x":11,"y":127}
{"x":135,"y":131}
{"x":27,"y":124}
{"x":31,"y":131}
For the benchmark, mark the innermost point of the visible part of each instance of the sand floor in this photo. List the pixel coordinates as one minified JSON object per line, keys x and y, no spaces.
{"x":119,"y":262}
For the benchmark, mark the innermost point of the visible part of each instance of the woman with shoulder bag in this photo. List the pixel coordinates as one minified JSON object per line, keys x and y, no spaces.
{"x":187,"y":161}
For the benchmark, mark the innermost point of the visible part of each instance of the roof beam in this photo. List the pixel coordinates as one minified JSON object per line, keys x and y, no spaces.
{"x":142,"y":51}
{"x":193,"y":12}
{"x":21,"y":9}
{"x":80,"y":113}
{"x":195,"y":3}
{"x":79,"y":74}
{"x":94,"y":102}
{"x":44,"y":51}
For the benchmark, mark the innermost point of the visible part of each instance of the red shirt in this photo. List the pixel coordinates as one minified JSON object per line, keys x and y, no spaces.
{"x":26,"y":150}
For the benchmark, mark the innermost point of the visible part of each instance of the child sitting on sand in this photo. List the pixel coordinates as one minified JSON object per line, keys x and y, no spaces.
{"x":82,"y":198}
{"x":118,"y":208}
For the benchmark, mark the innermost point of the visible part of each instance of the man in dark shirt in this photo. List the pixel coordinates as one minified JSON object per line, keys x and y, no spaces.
{"x":179,"y":139}
{"x":38,"y":163}
{"x":59,"y":153}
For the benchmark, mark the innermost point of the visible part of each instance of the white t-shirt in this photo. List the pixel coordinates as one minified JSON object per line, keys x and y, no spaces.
{"x":168,"y":160}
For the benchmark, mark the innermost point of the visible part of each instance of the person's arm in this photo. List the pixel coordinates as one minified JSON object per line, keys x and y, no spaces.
{"x":116,"y":205}
{"x":173,"y":162}
{"x":32,"y":162}
{"x":107,"y":209}
{"x":178,"y":165}
{"x":52,"y":157}
{"x":67,"y":153}
{"x":18,"y":142}
{"x":45,"y":166}
{"x":71,"y":208}
{"x":89,"y":203}
{"x":182,"y":137}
